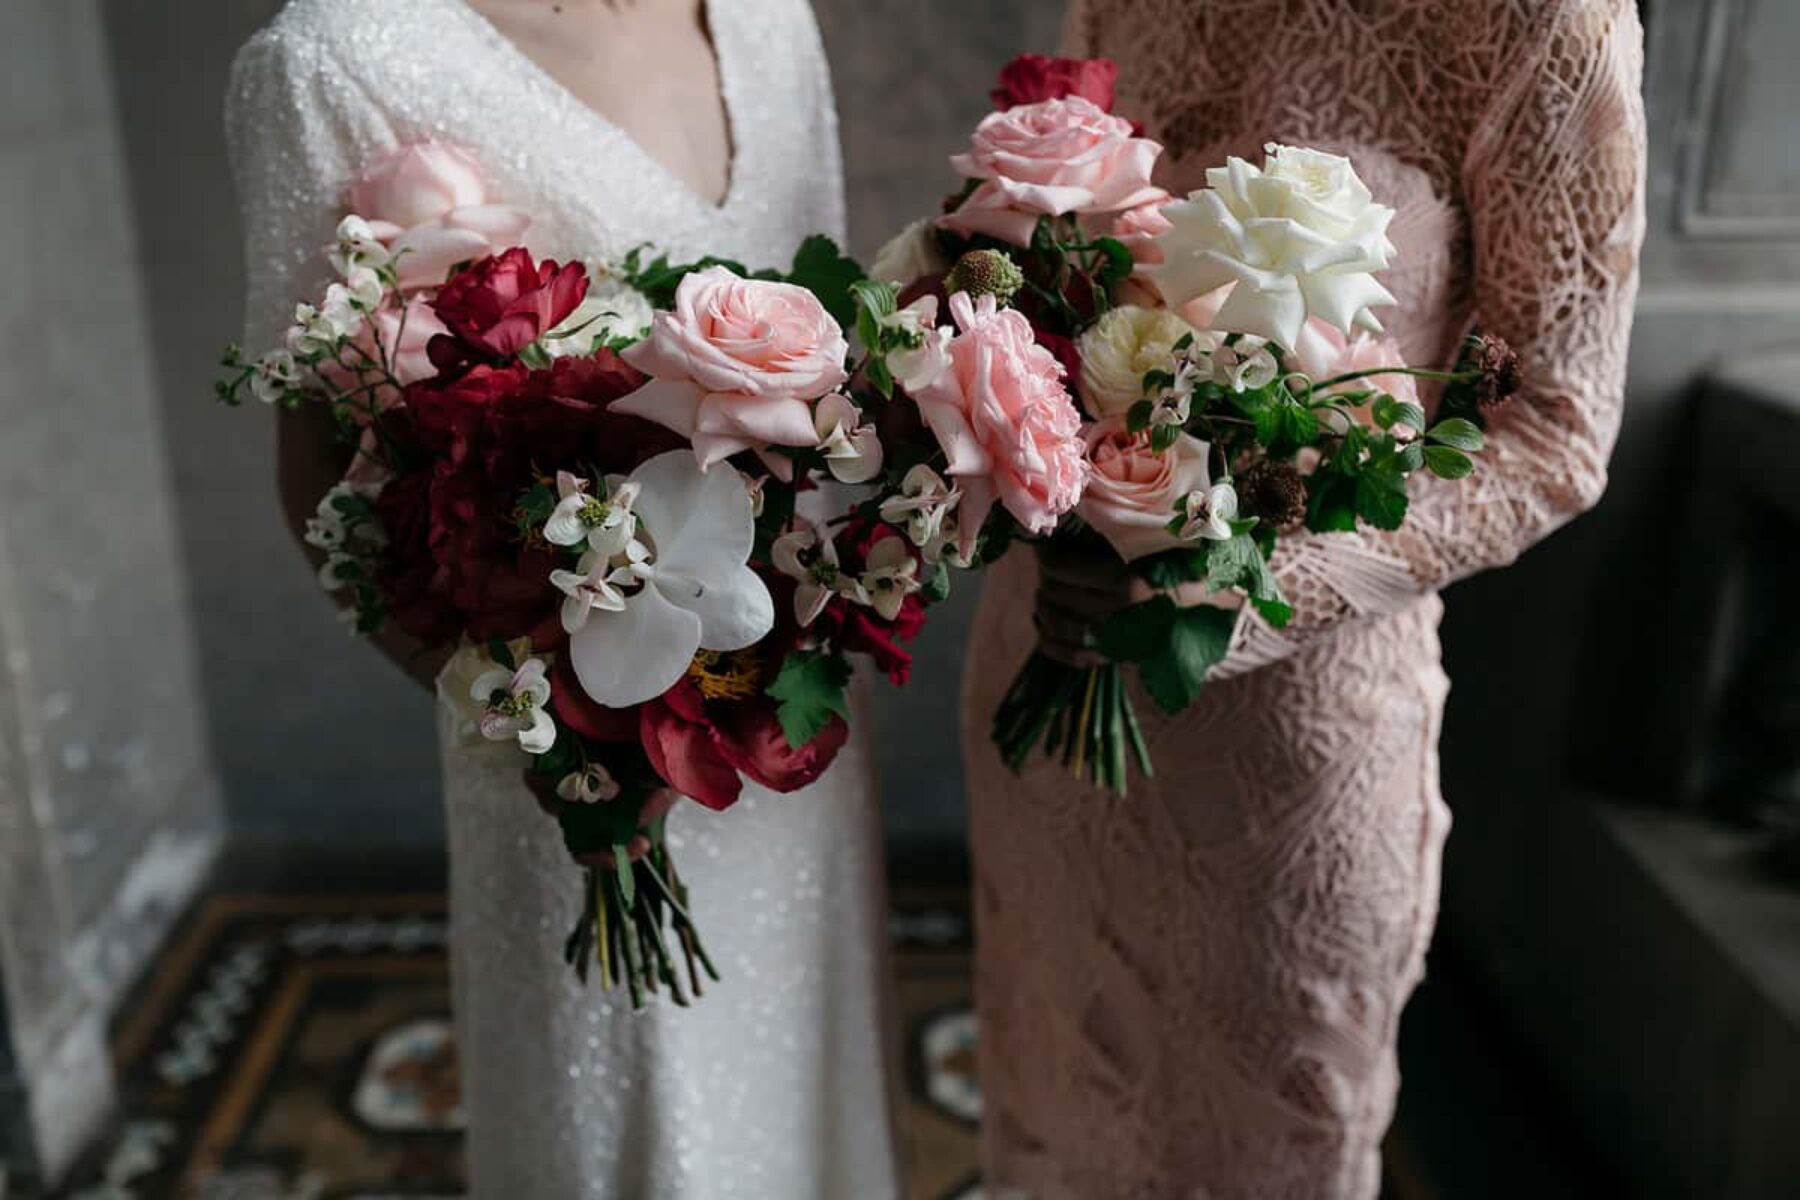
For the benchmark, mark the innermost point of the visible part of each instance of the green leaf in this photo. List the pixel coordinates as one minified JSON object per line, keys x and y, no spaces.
{"x":501,"y":653}
{"x":1172,"y":568}
{"x":1448,"y":463}
{"x":1411,"y":456}
{"x":591,"y":828}
{"x":1331,"y":503}
{"x":1242,"y":564}
{"x":1457,"y":433}
{"x":1389,"y":412}
{"x":881,"y":378}
{"x":822,"y":269}
{"x":1139,"y":632}
{"x":627,"y":877}
{"x":1137,"y":418}
{"x":810,"y":688}
{"x":1119,"y":263}
{"x":1381,"y":495}
{"x":937,"y":585}
{"x":1198,"y":639}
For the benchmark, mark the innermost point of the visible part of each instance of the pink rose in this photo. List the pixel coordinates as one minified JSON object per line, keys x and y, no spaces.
{"x":1047,"y":159}
{"x":1323,"y":352}
{"x":1140,"y":226}
{"x":1132,"y":491}
{"x":737,"y":366}
{"x":432,"y":207}
{"x":1005,"y":421}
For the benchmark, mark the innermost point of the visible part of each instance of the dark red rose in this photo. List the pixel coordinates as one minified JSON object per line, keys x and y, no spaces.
{"x":496,"y":307}
{"x":750,"y":739}
{"x":1031,"y":78}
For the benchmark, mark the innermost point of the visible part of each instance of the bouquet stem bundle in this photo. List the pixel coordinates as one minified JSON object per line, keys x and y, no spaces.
{"x":1082,"y":714}
{"x":629,"y":916}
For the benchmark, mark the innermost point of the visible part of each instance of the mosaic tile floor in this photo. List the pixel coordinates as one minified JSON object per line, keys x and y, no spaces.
{"x":298,"y":1047}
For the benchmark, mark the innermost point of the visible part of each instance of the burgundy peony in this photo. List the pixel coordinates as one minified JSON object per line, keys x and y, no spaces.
{"x":700,"y":746}
{"x":491,"y":434}
{"x":496,"y":307}
{"x":1030,"y":78}
{"x":573,"y":707}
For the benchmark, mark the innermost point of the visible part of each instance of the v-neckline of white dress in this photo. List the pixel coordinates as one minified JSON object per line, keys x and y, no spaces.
{"x":535,"y":75}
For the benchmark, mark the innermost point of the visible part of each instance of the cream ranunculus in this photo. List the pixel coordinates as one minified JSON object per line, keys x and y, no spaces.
{"x":910,"y":255}
{"x":1117,"y":352}
{"x":1298,"y":238}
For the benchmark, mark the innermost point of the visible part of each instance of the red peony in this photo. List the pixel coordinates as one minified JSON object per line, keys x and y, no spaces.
{"x":491,"y":434}
{"x":574,"y":708}
{"x":1031,"y":78}
{"x":700,"y":747}
{"x":496,"y":307}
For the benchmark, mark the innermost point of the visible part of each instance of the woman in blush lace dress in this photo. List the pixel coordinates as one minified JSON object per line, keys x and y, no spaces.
{"x":702,"y":128}
{"x":1193,"y":990}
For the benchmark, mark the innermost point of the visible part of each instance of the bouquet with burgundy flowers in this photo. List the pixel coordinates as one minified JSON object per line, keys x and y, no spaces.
{"x":589,"y":479}
{"x":1181,"y":381}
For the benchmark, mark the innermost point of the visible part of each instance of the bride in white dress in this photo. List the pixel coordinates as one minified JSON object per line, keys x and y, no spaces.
{"x":774,"y":1086}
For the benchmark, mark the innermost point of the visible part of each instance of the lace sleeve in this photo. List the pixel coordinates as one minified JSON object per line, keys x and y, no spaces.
{"x":1553,"y":180}
{"x":292,"y":124}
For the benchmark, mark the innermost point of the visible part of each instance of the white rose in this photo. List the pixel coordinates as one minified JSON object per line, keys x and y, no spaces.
{"x":912,"y":254}
{"x":1117,"y":352}
{"x":1297,"y":238}
{"x":611,"y":309}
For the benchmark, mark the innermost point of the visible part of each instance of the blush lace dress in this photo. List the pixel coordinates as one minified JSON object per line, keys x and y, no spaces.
{"x":774,"y":1085}
{"x":1194,"y":990}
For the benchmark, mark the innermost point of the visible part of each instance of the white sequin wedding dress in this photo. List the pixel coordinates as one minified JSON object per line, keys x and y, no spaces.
{"x":774,"y":1085}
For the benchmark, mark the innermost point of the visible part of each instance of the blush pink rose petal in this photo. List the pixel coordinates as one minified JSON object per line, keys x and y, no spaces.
{"x":1132,"y":490}
{"x":433,"y":207}
{"x":1047,"y":159}
{"x":738,"y":365}
{"x":1006,"y":423}
{"x":1323,"y":352}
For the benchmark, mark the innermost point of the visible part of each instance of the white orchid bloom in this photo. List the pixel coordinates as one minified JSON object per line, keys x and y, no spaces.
{"x":311,"y":333}
{"x":696,"y":590}
{"x":851,"y":446}
{"x":512,"y":706}
{"x":356,"y":246}
{"x":275,"y":373}
{"x":594,"y":784}
{"x":925,"y":354}
{"x":1244,"y":366}
{"x":950,"y":547}
{"x":1207,"y":513}
{"x":606,"y":524}
{"x":596,"y":583}
{"x":921,"y":506}
{"x":339,"y":571}
{"x":810,"y":558}
{"x":890,"y":575}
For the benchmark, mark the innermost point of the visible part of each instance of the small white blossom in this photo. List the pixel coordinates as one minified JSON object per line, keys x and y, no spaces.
{"x":1208,"y":513}
{"x":590,"y":785}
{"x":890,"y":575}
{"x":274,"y":375}
{"x":1245,"y":366}
{"x":924,"y":351}
{"x":606,"y":524}
{"x":851,"y":447}
{"x":921,"y":506}
{"x":339,"y":571}
{"x":598,"y":582}
{"x":357,"y":246}
{"x":808,"y":557}
{"x":513,"y":706}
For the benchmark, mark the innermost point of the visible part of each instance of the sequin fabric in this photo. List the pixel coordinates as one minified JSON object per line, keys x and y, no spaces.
{"x":1194,"y":990}
{"x":774,"y":1086}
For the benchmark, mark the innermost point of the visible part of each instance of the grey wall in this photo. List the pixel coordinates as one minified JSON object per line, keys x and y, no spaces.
{"x":315,"y":736}
{"x":108,"y":807}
